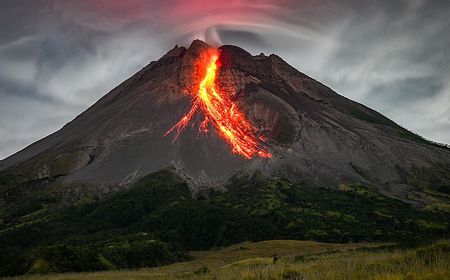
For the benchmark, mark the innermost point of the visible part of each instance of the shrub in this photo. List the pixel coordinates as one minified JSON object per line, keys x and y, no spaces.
{"x":202,"y":270}
{"x":289,"y":274}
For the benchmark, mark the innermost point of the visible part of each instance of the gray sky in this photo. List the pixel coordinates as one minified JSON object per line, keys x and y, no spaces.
{"x":57,"y":57}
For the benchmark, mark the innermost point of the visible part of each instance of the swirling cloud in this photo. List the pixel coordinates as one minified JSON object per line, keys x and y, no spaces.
{"x":59,"y":56}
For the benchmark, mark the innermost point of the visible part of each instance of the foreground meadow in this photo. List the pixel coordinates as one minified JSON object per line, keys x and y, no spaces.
{"x":295,"y":260}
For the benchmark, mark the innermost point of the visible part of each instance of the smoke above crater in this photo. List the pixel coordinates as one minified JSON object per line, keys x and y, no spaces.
{"x":214,"y":22}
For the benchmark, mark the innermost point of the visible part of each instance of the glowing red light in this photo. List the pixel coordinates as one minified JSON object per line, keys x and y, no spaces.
{"x":219,"y":110}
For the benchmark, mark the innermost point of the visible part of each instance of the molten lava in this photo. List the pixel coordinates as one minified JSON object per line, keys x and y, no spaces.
{"x":223,"y":113}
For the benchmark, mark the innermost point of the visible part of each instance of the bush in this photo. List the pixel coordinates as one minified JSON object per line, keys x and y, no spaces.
{"x":202,"y":270}
{"x":289,"y":274}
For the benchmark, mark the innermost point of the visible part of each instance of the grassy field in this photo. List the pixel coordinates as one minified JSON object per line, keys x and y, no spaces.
{"x":295,"y":260}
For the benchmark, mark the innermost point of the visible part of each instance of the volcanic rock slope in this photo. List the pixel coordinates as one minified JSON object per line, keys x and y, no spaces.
{"x":315,"y":135}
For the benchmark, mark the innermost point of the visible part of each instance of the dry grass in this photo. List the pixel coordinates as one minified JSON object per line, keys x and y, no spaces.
{"x":297,"y":260}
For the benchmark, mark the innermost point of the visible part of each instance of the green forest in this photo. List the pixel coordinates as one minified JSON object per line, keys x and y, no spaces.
{"x":158,"y":220}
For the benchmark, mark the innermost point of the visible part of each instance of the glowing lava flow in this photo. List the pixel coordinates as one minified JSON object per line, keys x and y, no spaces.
{"x":224,"y":114}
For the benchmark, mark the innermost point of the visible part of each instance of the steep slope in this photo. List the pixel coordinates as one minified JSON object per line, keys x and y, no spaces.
{"x":315,"y":135}
{"x":110,"y":191}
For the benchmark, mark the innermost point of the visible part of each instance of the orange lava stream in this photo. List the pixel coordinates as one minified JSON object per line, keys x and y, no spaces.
{"x":224,"y":114}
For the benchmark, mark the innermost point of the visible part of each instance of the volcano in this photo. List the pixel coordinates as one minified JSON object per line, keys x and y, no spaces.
{"x":291,"y":125}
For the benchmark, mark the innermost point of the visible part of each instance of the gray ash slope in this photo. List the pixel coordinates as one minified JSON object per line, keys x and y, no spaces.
{"x":316,"y":136}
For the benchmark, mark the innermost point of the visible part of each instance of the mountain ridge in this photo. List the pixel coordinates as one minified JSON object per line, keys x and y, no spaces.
{"x":317,"y":136}
{"x":109,"y":191}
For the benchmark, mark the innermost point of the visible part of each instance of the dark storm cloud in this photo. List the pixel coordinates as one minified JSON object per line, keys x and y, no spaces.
{"x":58,"y":57}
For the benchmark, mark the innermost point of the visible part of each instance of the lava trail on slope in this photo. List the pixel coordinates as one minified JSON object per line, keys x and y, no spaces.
{"x":219,"y":110}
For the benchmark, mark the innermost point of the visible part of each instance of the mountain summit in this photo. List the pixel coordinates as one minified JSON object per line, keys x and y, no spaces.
{"x":206,"y":148}
{"x":314,"y":135}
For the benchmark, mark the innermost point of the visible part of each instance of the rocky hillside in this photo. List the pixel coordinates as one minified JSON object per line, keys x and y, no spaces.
{"x":316,"y":136}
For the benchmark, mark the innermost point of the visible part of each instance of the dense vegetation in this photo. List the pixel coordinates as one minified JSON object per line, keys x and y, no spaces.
{"x":157,"y":219}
